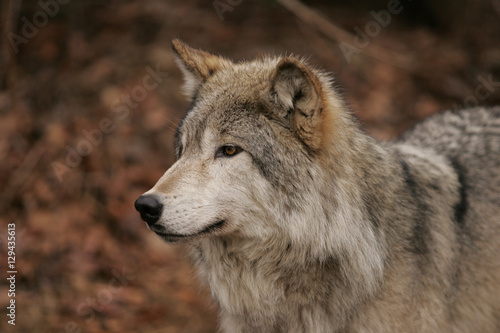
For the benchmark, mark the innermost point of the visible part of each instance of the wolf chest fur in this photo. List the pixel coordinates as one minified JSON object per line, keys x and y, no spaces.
{"x":300,"y":222}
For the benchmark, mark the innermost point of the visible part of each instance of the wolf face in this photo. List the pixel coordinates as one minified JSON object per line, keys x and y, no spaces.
{"x":246,"y":123}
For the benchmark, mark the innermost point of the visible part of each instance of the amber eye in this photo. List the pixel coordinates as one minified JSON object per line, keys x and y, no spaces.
{"x":228,"y":151}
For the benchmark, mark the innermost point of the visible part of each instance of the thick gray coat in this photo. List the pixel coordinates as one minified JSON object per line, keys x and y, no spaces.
{"x":313,"y":226}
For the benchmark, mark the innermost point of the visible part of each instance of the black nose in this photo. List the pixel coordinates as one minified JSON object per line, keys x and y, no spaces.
{"x":149,"y":207}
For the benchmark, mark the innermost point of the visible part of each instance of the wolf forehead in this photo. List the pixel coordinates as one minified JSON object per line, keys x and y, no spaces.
{"x":233,"y":102}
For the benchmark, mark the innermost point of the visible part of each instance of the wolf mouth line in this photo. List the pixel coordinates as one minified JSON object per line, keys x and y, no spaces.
{"x":159,"y":230}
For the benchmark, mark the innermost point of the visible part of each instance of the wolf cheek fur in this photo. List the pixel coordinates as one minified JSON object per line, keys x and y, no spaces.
{"x":313,"y":226}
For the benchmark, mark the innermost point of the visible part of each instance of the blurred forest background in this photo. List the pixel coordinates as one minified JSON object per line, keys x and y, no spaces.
{"x":89,"y":100}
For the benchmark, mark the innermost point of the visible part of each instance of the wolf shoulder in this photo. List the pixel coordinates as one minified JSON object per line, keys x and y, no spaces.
{"x":463,"y":134}
{"x":459,"y":147}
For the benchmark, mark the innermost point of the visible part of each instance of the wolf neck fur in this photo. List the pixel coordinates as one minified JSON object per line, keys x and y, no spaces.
{"x":250,"y":277}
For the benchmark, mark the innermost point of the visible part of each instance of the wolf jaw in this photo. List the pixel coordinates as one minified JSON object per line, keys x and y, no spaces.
{"x":324,"y":229}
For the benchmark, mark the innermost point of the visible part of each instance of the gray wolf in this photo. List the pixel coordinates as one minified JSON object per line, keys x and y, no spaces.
{"x":300,"y":222}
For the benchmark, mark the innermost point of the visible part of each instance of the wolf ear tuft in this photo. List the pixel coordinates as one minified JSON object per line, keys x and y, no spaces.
{"x":297,"y":92}
{"x":196,"y":65}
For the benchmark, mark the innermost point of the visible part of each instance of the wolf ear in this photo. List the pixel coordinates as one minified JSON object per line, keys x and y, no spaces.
{"x":297,"y":92}
{"x":196,"y":65}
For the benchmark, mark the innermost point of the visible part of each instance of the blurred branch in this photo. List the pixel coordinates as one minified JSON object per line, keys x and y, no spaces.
{"x":496,"y":5}
{"x":332,"y":31}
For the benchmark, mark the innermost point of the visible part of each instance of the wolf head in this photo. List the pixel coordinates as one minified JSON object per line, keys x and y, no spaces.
{"x":248,"y":149}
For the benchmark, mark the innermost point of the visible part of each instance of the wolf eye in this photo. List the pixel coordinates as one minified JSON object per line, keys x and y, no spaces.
{"x":228,"y":151}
